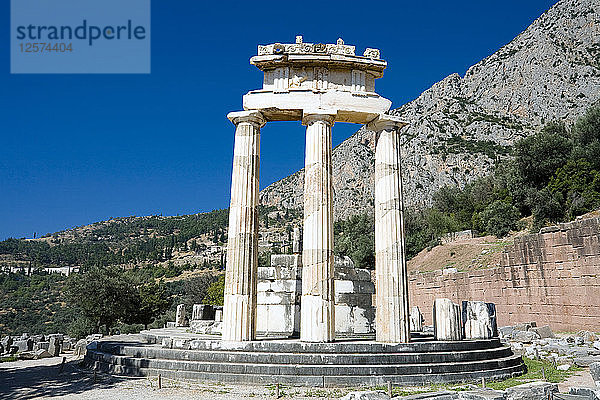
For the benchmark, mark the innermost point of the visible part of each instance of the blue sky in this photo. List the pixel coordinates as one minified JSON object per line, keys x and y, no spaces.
{"x":75,"y":149}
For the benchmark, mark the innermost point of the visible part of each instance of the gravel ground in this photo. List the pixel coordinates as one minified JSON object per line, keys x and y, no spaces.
{"x":42,"y":379}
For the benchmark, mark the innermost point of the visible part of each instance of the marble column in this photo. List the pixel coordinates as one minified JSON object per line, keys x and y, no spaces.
{"x":317,"y":323}
{"x":392,"y":317}
{"x":239,"y":310}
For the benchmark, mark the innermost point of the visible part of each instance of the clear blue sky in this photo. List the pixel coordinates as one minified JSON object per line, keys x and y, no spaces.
{"x":76,"y":149}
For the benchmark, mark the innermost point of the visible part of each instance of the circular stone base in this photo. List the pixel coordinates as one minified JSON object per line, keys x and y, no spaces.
{"x":342,"y":363}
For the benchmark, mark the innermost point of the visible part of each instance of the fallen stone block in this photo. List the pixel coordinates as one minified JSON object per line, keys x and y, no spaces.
{"x":595,"y":372}
{"x":587,"y":336}
{"x":544,"y":332}
{"x":366,"y":395}
{"x":524,"y":326}
{"x":586,"y":361}
{"x":482,"y":394}
{"x":531,"y":391}
{"x":441,"y":395}
{"x":27,"y":355}
{"x":505,"y":332}
{"x":41,"y":353}
{"x":563,"y":367}
{"x":590,"y":393}
{"x":525,"y":336}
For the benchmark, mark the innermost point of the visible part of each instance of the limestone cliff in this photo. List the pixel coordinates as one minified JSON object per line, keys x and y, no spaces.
{"x":461,"y":125}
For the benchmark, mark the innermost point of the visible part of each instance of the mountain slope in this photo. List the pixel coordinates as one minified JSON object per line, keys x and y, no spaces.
{"x":460,"y":126}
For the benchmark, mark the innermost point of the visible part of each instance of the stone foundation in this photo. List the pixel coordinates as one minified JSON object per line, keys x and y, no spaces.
{"x":279,"y":298}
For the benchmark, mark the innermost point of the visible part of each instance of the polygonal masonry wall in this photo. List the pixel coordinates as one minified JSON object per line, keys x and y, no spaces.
{"x":317,"y":84}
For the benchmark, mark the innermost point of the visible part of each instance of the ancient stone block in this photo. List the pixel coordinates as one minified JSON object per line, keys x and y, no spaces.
{"x":585,"y":393}
{"x":24,"y":345}
{"x":180,"y":319}
{"x":595,"y":372}
{"x":477,"y":320}
{"x":544,"y":332}
{"x":203,"y":312}
{"x":81,"y":347}
{"x":447,"y":320}
{"x":41,"y":353}
{"x":54,"y":346}
{"x":366,"y":395}
{"x":416,"y":319}
{"x":531,"y":391}
{"x":41,"y":345}
{"x":7,"y":341}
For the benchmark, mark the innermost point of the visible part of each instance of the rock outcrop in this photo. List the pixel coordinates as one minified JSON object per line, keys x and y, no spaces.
{"x":462,"y":125}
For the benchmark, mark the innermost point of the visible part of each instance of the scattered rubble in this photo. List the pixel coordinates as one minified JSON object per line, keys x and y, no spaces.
{"x":26,"y":347}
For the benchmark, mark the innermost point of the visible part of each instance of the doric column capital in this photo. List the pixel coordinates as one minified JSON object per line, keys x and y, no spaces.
{"x":386,"y":122}
{"x":326,"y":115}
{"x":252,"y":117}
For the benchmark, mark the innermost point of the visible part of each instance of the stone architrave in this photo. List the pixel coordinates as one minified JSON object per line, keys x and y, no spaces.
{"x":416,"y":320}
{"x":239,"y":309}
{"x":392,"y":314}
{"x":317,"y":314}
{"x":447,"y":320}
{"x":180,"y":316}
{"x":477,"y":320}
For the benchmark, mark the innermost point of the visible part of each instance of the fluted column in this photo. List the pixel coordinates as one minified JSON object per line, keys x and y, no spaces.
{"x":317,"y":323}
{"x":239,"y":310}
{"x":391,"y":288}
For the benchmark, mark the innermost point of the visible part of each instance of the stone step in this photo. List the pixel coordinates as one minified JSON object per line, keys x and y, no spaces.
{"x":311,"y":380}
{"x":340,"y":347}
{"x":223,"y":356}
{"x":300,"y":369}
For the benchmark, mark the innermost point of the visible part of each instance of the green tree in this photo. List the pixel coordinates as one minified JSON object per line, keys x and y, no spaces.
{"x":103,"y":295}
{"x":579,"y":187}
{"x":216,"y":292}
{"x":586,"y":134}
{"x":153,"y":300}
{"x":355,"y":238}
{"x":499,"y":218}
{"x":537,"y":157}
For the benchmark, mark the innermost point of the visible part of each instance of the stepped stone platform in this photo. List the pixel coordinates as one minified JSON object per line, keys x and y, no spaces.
{"x":342,"y":363}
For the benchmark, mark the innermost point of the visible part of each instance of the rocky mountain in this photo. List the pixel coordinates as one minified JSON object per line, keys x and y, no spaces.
{"x":461,"y":125}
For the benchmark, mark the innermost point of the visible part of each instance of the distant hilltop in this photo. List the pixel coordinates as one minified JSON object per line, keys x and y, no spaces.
{"x":460,"y":126}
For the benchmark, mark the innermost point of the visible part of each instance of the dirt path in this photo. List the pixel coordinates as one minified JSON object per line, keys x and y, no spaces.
{"x":42,"y":379}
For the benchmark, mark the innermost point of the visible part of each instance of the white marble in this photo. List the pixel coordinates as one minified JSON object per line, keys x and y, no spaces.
{"x":317,"y":320}
{"x":392,"y":314}
{"x":477,"y":320}
{"x":239,"y":310}
{"x":180,"y":319}
{"x":447,"y":320}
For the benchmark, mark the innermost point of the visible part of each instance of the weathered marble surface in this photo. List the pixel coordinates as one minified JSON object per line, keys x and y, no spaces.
{"x":447,"y":320}
{"x":239,"y":310}
{"x":317,"y":323}
{"x":392,"y":315}
{"x":180,"y":319}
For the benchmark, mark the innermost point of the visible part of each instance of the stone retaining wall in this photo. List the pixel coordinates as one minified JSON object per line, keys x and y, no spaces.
{"x":552,"y":278}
